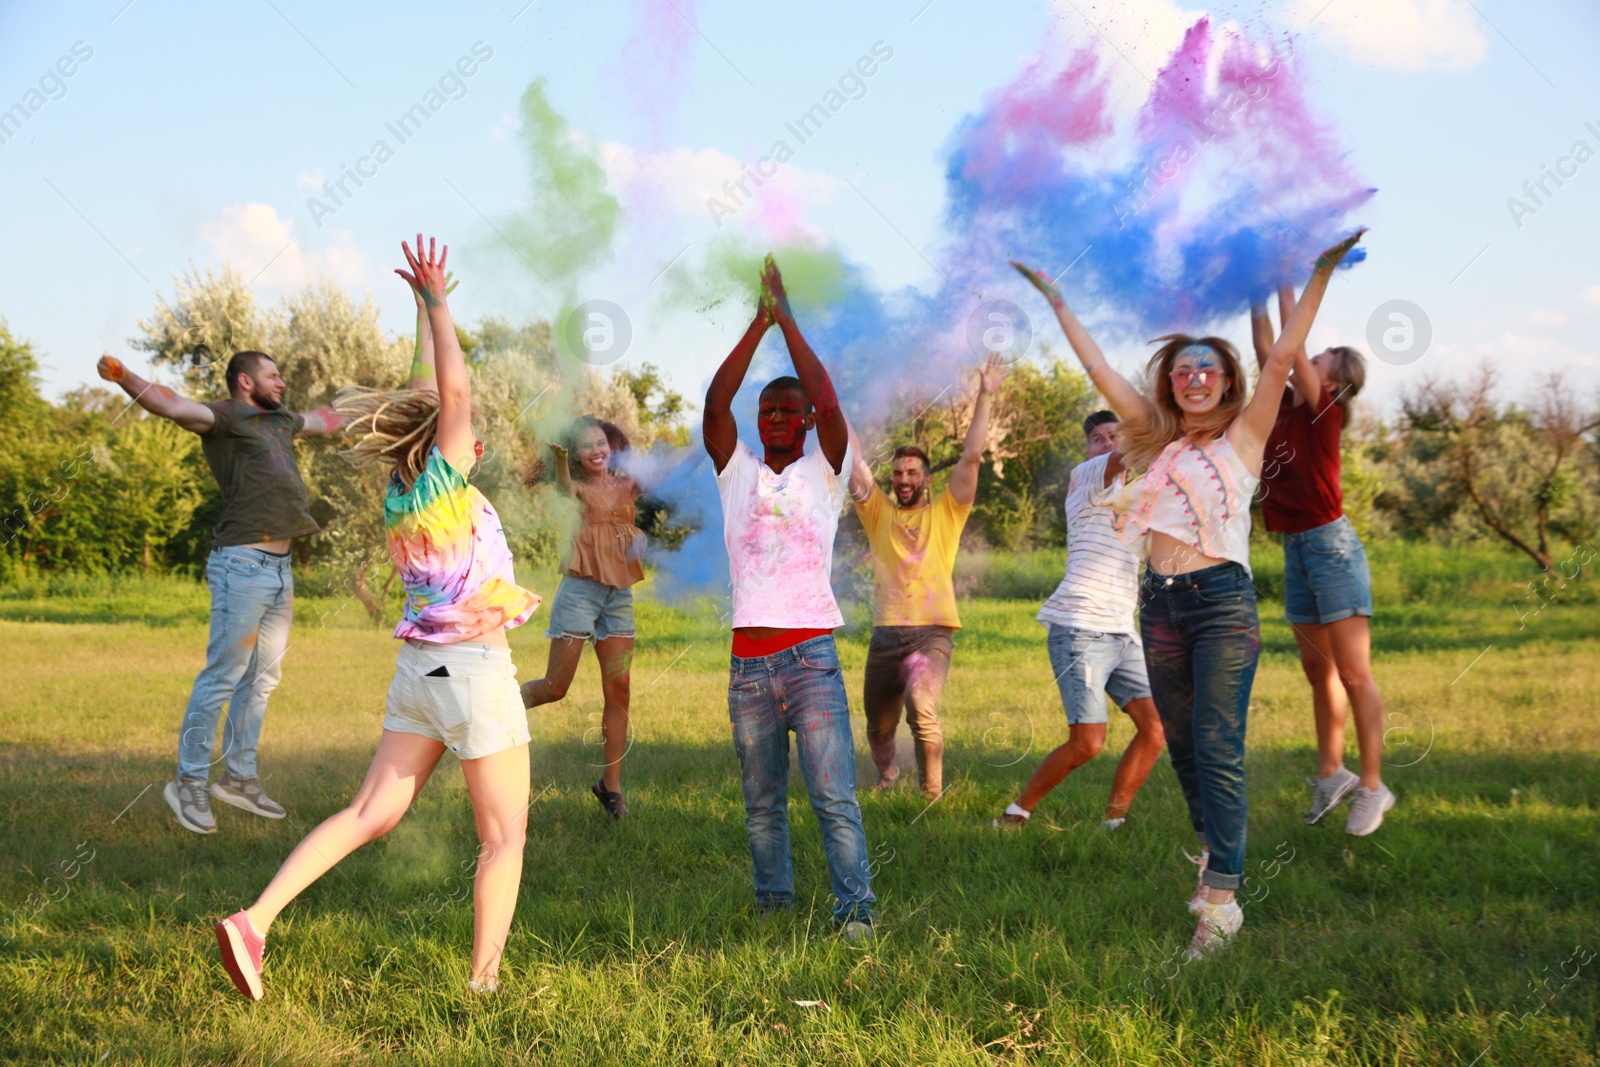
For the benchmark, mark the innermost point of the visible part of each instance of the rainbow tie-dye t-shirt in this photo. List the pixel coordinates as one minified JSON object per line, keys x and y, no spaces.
{"x":447,"y":543}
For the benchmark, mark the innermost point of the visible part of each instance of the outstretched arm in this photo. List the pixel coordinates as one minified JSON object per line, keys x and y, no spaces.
{"x":1250,"y":430}
{"x":964,"y":479}
{"x":833,"y":432}
{"x":861,"y":481}
{"x":718,"y":430}
{"x":422,"y":375}
{"x":157,"y":399}
{"x":1124,"y":399}
{"x":1305,"y":378}
{"x":323,"y":422}
{"x":454,"y":435}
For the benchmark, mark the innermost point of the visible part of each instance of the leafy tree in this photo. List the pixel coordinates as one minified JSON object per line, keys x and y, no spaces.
{"x":1527,"y":474}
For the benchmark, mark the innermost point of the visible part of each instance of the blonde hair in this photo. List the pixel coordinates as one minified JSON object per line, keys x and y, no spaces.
{"x":1145,"y":437}
{"x":395,"y":427}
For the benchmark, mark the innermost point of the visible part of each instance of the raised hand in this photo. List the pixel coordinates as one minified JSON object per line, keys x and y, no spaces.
{"x":427,"y":276}
{"x":450,"y":282}
{"x":772,"y":291}
{"x":1330,"y":258}
{"x":1041,"y":283}
{"x":111,"y":369}
{"x":992,"y":373}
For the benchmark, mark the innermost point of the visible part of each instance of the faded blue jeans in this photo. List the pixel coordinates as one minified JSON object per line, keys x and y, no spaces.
{"x":799,"y":689}
{"x":1202,"y":639}
{"x":252,"y":602}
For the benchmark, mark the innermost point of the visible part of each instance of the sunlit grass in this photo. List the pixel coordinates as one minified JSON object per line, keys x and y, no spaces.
{"x":636,"y":942}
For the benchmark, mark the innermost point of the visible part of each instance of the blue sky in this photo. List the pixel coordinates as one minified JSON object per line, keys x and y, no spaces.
{"x":195,"y":134}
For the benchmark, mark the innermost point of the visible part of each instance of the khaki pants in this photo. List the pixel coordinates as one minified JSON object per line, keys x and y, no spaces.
{"x":906,"y":669}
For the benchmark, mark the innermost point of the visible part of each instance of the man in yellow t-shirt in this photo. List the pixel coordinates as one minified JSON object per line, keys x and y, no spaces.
{"x":914,"y":537}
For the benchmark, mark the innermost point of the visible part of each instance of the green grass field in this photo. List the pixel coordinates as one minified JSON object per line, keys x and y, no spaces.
{"x":1467,"y":931}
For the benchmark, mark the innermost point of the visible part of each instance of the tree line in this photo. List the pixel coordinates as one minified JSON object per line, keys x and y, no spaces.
{"x":90,"y":483}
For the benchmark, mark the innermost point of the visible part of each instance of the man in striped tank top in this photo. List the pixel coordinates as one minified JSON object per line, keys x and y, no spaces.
{"x":1093,"y":644}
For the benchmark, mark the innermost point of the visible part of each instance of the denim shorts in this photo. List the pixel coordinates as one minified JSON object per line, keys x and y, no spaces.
{"x":590,"y":610}
{"x":1089,"y":665}
{"x":1325,"y":574}
{"x":465,"y":695}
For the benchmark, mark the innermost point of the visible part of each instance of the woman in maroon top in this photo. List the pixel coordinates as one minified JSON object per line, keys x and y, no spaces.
{"x":1327,"y":587}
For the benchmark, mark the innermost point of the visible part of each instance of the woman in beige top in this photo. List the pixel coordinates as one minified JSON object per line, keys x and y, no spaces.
{"x":595,"y":599}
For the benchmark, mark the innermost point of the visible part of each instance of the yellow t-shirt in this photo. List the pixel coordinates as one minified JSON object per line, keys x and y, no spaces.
{"x":913,"y":555}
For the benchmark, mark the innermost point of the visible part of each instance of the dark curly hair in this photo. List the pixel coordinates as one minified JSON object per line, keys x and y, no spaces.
{"x":583,"y":424}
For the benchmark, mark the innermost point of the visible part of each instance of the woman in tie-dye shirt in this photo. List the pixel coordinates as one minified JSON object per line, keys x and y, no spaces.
{"x":454,"y":687}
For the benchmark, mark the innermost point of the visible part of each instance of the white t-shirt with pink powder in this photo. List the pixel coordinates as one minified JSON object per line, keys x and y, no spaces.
{"x":779,"y":529}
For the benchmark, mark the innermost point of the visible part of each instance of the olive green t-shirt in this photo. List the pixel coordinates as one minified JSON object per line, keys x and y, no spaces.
{"x":251,"y":454}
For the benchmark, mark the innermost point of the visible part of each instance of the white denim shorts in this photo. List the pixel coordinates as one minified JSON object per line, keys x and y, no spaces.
{"x":464,"y":695}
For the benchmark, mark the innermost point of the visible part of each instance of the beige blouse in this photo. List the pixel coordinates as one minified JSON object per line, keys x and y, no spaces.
{"x":608,"y":545}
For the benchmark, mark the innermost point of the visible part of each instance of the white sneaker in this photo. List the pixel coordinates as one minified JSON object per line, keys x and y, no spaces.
{"x":1366,"y":809}
{"x":1218,"y":924}
{"x":1328,"y":793}
{"x":1198,"y":901}
{"x":1112,"y":825}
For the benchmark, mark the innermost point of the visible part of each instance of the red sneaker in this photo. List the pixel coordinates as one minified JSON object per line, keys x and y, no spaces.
{"x":241,"y":953}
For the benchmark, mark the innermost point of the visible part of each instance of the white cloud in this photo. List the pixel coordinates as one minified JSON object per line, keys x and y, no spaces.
{"x":310,"y":181}
{"x":262,"y":247}
{"x":1547,"y":317}
{"x":1591,"y":296}
{"x":685,"y":181}
{"x":1398,"y":34}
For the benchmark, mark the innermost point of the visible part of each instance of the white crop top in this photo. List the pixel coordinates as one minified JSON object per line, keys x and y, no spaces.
{"x":1198,"y":495}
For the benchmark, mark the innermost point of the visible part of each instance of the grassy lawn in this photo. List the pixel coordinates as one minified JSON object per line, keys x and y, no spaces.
{"x":1467,"y":931}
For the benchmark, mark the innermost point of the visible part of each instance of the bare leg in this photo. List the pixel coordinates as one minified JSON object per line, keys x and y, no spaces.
{"x":1329,"y":703}
{"x":1139,"y":759}
{"x":498,"y":785}
{"x":1351,"y":639}
{"x":1084,"y":742}
{"x":616,"y":657}
{"x":399,"y":770}
{"x":558,"y":672}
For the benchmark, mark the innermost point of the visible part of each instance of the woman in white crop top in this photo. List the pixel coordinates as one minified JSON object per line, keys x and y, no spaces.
{"x":1199,"y":443}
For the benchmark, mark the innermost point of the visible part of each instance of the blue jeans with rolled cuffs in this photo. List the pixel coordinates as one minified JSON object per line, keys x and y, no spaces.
{"x":1202,"y":640}
{"x":800,"y":689}
{"x":252,"y":604}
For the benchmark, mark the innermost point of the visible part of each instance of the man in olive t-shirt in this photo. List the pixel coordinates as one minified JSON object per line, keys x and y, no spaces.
{"x":913,"y":540}
{"x":247,"y":441}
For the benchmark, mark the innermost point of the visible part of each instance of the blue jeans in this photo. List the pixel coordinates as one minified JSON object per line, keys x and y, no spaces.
{"x":1201,"y":643}
{"x":799,"y":689}
{"x":252,"y":602}
{"x":1325,"y":574}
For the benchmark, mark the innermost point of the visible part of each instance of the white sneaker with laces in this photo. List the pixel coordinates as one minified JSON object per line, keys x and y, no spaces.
{"x":1218,"y":924}
{"x":1328,"y":793}
{"x":1366,"y":809}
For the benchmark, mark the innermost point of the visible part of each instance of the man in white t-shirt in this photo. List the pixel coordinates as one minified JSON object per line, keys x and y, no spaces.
{"x":780,"y":514}
{"x":1093,"y":643}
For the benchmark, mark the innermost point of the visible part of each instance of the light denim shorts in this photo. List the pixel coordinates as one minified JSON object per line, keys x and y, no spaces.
{"x":1325,"y":574}
{"x":1090,"y":665}
{"x":590,"y":610}
{"x":464,"y":695}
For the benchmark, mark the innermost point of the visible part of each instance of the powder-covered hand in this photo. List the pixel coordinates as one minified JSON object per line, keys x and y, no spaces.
{"x":111,"y":369}
{"x":1041,"y":283}
{"x":1330,"y":259}
{"x":427,"y":277}
{"x":772,"y":291}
